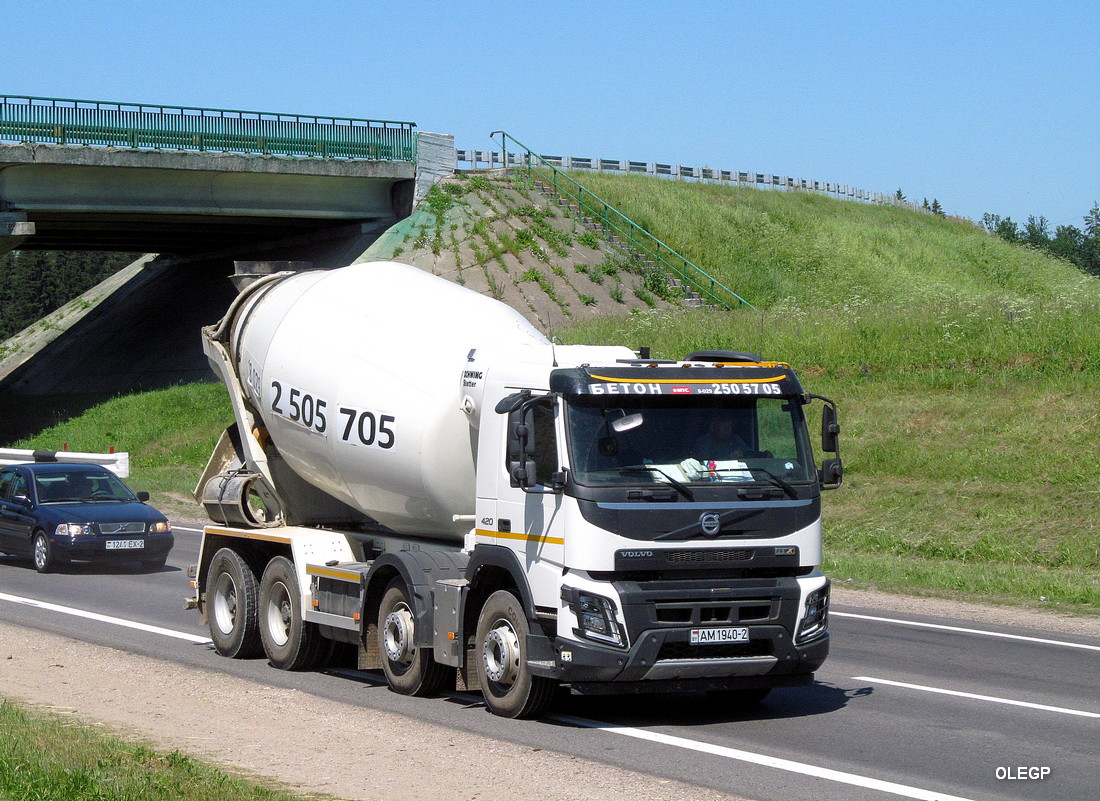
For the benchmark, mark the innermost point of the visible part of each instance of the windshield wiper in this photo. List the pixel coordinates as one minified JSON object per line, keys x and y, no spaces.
{"x":772,"y":477}
{"x":648,"y":468}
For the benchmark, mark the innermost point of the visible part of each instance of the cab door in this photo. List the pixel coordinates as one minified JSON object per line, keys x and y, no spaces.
{"x":530,"y":523}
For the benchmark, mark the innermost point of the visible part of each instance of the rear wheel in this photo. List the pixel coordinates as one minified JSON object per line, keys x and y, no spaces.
{"x":510,"y":690}
{"x":232,"y":603}
{"x":409,"y":670}
{"x":290,"y":642}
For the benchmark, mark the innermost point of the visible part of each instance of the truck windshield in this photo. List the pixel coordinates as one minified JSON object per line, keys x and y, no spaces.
{"x":692,"y":440}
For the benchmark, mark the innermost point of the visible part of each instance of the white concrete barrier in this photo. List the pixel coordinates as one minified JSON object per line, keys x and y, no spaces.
{"x":117,"y":463}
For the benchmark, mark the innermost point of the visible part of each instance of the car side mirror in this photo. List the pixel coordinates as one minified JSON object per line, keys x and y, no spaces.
{"x":22,"y":500}
{"x":143,"y":496}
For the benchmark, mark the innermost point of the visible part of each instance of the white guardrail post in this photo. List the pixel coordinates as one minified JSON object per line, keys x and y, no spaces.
{"x":117,"y":463}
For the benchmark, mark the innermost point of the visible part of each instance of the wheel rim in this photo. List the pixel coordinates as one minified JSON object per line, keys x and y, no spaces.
{"x":41,"y":551}
{"x":225,"y":603}
{"x":279,"y":614}
{"x":501,"y":653}
{"x":397,"y":636}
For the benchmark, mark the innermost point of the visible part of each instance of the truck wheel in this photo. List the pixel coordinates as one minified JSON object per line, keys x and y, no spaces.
{"x":290,"y":642}
{"x":409,"y":670}
{"x":231,"y":606}
{"x":509,"y":688}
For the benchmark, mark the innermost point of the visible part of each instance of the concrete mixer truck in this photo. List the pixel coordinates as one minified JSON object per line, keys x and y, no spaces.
{"x":416,"y":471}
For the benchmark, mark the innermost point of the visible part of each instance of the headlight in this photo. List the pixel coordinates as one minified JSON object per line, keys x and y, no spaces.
{"x":815,"y":618}
{"x":72,"y":530}
{"x":596,"y":616}
{"x":160,"y":528}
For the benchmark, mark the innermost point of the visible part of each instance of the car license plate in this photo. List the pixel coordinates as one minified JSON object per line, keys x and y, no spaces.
{"x":719,"y":635}
{"x":118,"y":545}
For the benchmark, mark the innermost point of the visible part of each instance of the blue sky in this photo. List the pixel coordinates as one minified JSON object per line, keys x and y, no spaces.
{"x":985,"y":106}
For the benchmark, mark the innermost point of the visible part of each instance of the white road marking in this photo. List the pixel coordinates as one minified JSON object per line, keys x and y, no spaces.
{"x":116,"y":621}
{"x":185,"y":528}
{"x":961,"y":630}
{"x":767,"y":761}
{"x":991,"y":698}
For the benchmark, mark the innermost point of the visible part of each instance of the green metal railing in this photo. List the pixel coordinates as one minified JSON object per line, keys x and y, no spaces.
{"x":634,"y":236}
{"x":138,"y":125}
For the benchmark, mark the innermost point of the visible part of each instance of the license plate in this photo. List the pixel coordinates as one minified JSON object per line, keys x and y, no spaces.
{"x":118,"y":545}
{"x":716,"y":635}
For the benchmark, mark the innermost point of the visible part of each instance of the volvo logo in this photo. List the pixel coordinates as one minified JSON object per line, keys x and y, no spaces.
{"x":710,"y":523}
{"x":635,"y":554}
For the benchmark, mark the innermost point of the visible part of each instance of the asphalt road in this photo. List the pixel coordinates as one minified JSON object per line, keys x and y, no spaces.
{"x":907,"y":706}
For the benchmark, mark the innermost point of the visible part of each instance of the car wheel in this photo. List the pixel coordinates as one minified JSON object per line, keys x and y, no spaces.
{"x":44,"y":559}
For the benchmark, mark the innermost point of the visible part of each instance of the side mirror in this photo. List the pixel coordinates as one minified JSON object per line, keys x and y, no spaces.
{"x":521,"y":447}
{"x":143,"y":496}
{"x":22,"y":500}
{"x":830,"y":430}
{"x":831,"y":473}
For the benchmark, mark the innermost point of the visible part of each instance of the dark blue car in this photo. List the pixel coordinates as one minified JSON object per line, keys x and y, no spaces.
{"x":58,"y":512}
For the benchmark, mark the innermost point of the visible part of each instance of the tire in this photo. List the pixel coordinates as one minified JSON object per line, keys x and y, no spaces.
{"x":290,"y":642}
{"x":409,"y":670}
{"x":509,"y":688}
{"x":232,"y":604}
{"x":42,"y":553}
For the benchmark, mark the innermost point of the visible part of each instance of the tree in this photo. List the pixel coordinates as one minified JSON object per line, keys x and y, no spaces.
{"x":937,"y":209}
{"x":899,"y":196}
{"x":1003,"y":227}
{"x":1036,"y":232}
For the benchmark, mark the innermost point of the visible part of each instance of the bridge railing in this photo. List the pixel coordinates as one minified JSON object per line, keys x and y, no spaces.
{"x":637,"y":238}
{"x":133,"y":125}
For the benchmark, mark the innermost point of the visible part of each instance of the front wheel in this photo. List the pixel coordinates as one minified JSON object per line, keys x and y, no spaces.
{"x":510,"y":689}
{"x":44,"y":559}
{"x":232,"y":605}
{"x":290,"y":642}
{"x":409,"y":670}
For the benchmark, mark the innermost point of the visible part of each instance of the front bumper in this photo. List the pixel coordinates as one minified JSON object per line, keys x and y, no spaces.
{"x":768,"y":659}
{"x":93,"y":547}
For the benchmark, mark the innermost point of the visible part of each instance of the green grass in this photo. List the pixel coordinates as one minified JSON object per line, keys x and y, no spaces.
{"x":47,"y":758}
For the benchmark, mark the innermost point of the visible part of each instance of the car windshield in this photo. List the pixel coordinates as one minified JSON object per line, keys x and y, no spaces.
{"x":689,"y":440}
{"x":81,"y":486}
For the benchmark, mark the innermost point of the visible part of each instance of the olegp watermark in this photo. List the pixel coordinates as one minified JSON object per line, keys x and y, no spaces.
{"x":1022,"y":773}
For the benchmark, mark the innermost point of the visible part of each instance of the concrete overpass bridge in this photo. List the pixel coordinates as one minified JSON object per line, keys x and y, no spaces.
{"x":200,"y":187}
{"x":205,"y":183}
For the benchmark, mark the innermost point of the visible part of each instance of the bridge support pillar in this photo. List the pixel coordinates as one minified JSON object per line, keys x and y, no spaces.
{"x":14,"y":229}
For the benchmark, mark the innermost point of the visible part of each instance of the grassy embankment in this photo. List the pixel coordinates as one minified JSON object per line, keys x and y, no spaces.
{"x":44,"y":757}
{"x":966,"y":370}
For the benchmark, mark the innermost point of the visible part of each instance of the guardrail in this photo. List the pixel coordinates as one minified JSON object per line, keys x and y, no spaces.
{"x":152,"y":126}
{"x":614,"y":221}
{"x":117,"y":463}
{"x":492,"y":159}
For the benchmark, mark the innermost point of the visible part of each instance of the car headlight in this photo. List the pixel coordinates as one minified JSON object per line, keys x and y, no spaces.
{"x":815,"y":618}
{"x":72,"y":530}
{"x":160,"y":528}
{"x":596,"y":616}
